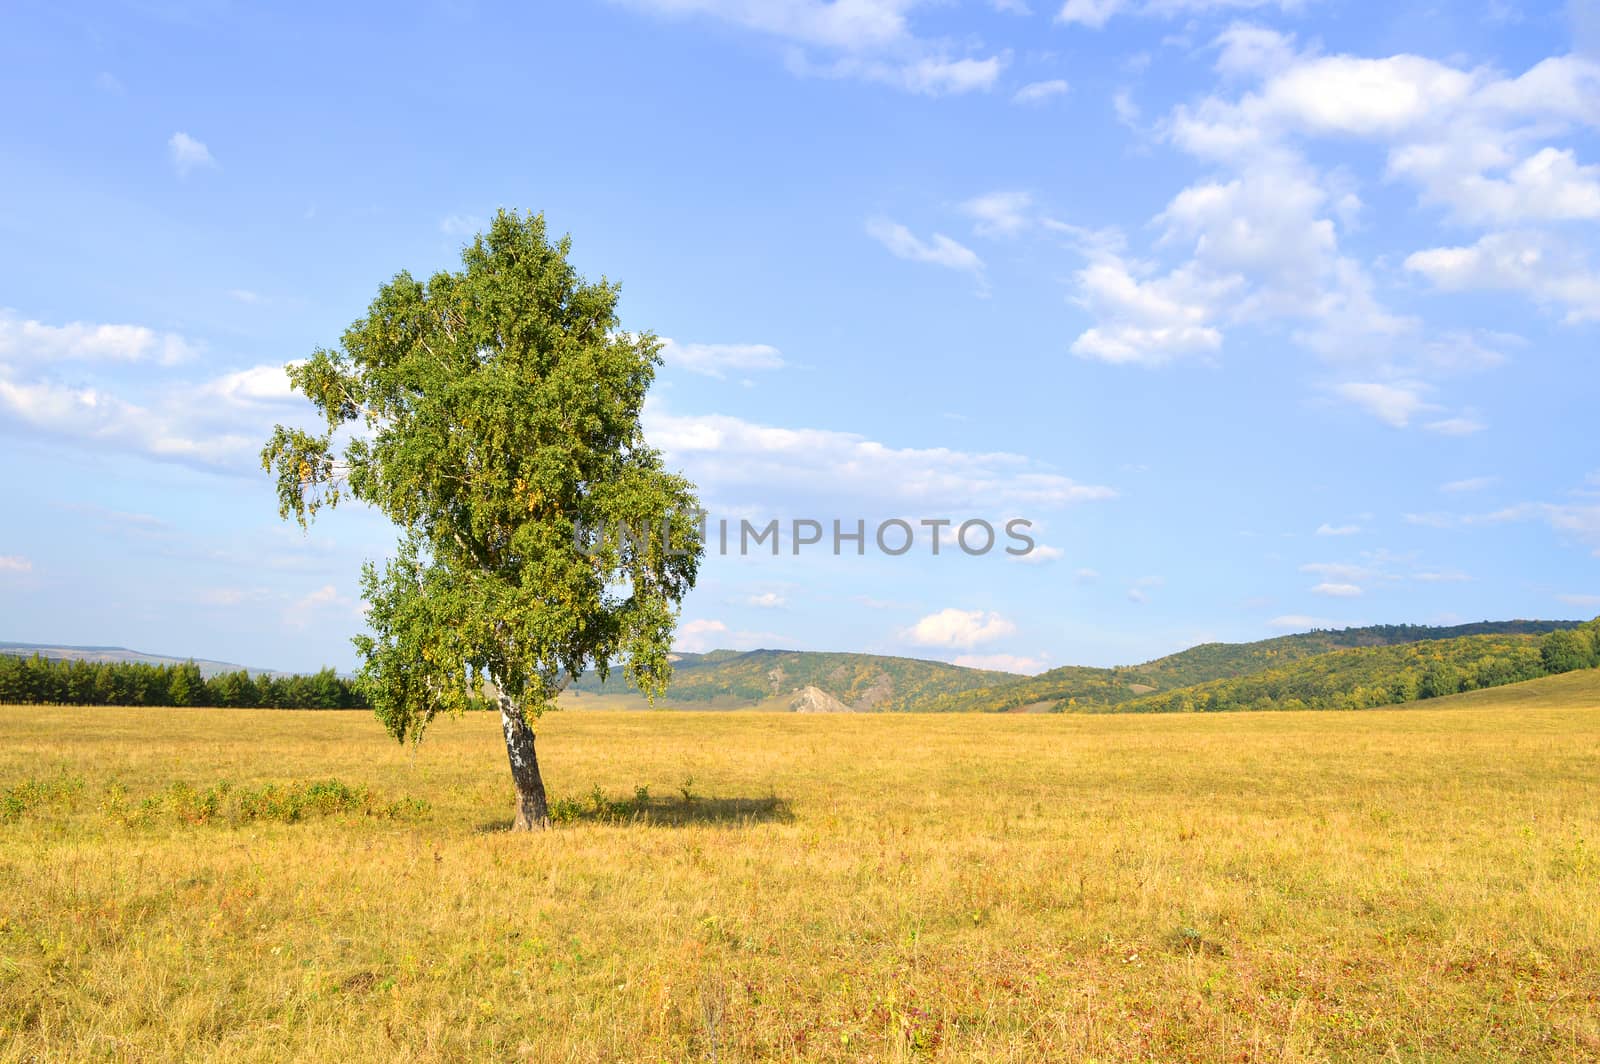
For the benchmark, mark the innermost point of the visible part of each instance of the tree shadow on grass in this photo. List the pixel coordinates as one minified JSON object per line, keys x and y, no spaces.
{"x":662,"y":812}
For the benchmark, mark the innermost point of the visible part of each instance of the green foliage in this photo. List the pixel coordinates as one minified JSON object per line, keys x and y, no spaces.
{"x":20,"y":799}
{"x":1567,"y":651}
{"x":499,"y":410}
{"x":38,"y":680}
{"x":284,"y":803}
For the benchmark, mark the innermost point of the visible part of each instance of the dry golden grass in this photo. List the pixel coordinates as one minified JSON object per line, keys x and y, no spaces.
{"x":1410,"y":885}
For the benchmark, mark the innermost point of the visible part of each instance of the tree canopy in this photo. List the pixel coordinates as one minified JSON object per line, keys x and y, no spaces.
{"x":493,"y":413}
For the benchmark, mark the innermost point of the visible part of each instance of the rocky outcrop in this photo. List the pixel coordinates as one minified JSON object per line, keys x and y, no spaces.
{"x":816,"y":700}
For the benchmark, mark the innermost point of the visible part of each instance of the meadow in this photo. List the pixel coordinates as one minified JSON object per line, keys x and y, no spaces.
{"x":1417,"y":885}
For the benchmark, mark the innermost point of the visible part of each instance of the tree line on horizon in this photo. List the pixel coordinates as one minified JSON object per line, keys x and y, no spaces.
{"x":38,"y":680}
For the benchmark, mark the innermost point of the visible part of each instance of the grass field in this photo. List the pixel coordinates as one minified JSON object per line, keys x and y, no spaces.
{"x":1389,"y":885}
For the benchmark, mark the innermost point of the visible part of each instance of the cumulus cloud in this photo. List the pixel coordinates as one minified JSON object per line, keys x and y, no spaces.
{"x":1258,"y":242}
{"x":1546,"y":268}
{"x":766,"y":600}
{"x":1147,"y":320}
{"x":718,"y":360}
{"x":215,"y":424}
{"x":15,"y":563}
{"x":959,"y":629}
{"x":999,"y":213}
{"x":189,"y":155}
{"x":726,"y":454}
{"x":699,"y":635}
{"x":30,"y":341}
{"x":1335,"y":590}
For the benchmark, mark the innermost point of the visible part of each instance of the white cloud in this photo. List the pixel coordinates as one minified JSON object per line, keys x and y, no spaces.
{"x":1003,"y":663}
{"x":767,"y":600}
{"x":716,"y":360}
{"x":90,"y":416}
{"x":698,"y":636}
{"x":1545,"y":268}
{"x":1456,"y":426}
{"x":726,"y":454}
{"x":1468,"y":484}
{"x":255,"y":386}
{"x":33,"y":341}
{"x":303,"y":610}
{"x":1441,"y":576}
{"x":942,"y":77}
{"x":1339,"y":572}
{"x":960,"y":629}
{"x":189,"y":155}
{"x":1146,"y":321}
{"x":999,"y":213}
{"x":940,"y":251}
{"x":1096,"y":13}
{"x":1579,"y":522}
{"x":217,"y":424}
{"x":1126,"y":110}
{"x":1337,"y":530}
{"x":870,"y":40}
{"x":1337,"y":590}
{"x":1483,"y":145}
{"x":1587,"y":602}
{"x":851,"y":25}
{"x":1248,"y":50}
{"x":1394,"y":404}
{"x":1037,"y":92}
{"x":1040,"y":555}
{"x":15,"y":563}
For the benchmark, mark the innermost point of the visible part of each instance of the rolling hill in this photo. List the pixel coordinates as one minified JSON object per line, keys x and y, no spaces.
{"x":864,"y":682}
{"x":1076,"y":687}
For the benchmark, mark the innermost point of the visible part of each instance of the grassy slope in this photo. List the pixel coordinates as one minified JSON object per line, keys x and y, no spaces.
{"x":1572,"y":690}
{"x":1274,"y":886}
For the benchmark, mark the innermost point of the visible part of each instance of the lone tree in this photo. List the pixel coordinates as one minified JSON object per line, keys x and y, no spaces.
{"x":498,"y":412}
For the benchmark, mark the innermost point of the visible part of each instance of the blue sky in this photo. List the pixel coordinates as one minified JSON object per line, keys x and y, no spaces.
{"x":1268,"y":315}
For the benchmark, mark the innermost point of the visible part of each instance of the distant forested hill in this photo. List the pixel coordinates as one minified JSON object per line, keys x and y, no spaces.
{"x":1076,"y":687}
{"x":867,"y":682}
{"x":1363,"y":677}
